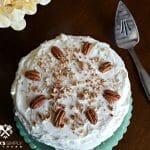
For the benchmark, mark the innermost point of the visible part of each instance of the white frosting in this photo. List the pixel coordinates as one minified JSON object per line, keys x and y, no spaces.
{"x":12,"y":12}
{"x":64,"y":138}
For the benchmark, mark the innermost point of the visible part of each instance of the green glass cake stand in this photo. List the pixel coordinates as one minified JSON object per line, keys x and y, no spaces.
{"x":106,"y":145}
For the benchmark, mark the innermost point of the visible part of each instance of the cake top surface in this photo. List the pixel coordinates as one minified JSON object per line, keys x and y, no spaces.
{"x":70,"y":90}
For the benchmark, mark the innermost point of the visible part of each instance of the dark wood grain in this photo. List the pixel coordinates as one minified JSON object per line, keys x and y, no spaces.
{"x":80,"y":17}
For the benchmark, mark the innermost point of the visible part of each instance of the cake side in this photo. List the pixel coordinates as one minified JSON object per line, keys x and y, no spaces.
{"x":95,"y":78}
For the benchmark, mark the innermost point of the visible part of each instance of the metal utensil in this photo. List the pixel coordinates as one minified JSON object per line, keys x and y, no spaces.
{"x":127,"y":36}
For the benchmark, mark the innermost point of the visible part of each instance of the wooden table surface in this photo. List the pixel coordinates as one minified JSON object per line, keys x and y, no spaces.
{"x":79,"y":17}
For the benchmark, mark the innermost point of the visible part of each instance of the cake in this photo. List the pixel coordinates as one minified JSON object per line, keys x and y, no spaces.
{"x":12,"y":12}
{"x":71,"y":92}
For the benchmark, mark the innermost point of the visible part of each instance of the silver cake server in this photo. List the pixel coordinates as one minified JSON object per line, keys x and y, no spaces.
{"x":127,"y":36}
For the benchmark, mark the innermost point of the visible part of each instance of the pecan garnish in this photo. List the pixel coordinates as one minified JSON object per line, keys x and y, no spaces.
{"x":105,"y":67}
{"x":59,"y":118}
{"x":111,"y":95}
{"x":77,"y":118}
{"x":71,"y":106}
{"x":91,"y":115}
{"x":87,"y":47}
{"x":79,"y":106}
{"x":81,"y":96}
{"x":37,"y":101}
{"x":66,"y":120}
{"x":57,"y":53}
{"x":57,"y":84}
{"x":62,"y":106}
{"x":32,"y":75}
{"x":81,"y":65}
{"x":92,"y":95}
{"x":34,"y":89}
{"x":110,"y":107}
{"x":44,"y":116}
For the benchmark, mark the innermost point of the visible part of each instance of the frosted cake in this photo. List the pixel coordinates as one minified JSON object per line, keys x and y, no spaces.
{"x":72,"y":92}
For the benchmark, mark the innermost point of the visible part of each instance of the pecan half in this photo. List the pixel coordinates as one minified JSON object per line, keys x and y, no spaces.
{"x":59,"y":118}
{"x":37,"y":101}
{"x":57,"y":53}
{"x":105,"y":67}
{"x":32,"y":75}
{"x":91,"y":115}
{"x":87,"y":47}
{"x":111,"y":95}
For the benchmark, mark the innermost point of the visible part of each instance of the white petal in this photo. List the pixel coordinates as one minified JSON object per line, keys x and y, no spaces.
{"x":20,"y":25}
{"x":4,"y":21}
